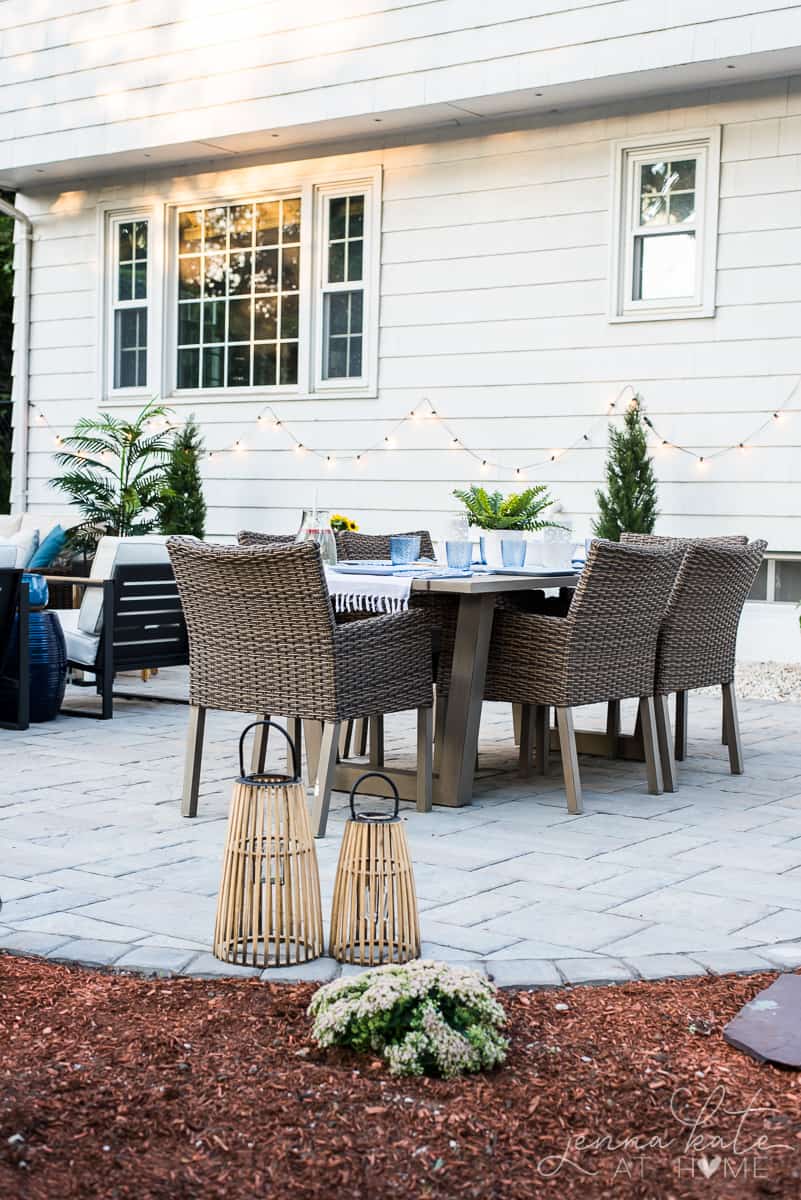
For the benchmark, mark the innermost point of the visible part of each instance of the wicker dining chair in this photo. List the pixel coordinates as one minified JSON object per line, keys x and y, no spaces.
{"x":249,"y":537}
{"x":603,"y":649}
{"x":262,"y":639}
{"x":656,"y":539}
{"x":440,"y":611}
{"x":661,"y":539}
{"x":357,"y":546}
{"x":698,"y":642}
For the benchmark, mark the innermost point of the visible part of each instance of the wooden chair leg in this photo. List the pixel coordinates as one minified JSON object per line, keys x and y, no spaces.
{"x":259,"y":756}
{"x":329,"y":745}
{"x":570,"y":766}
{"x":359,"y":738}
{"x":732,"y":722}
{"x":345,"y":739}
{"x":664,"y":737}
{"x":377,"y":741}
{"x":542,"y":738}
{"x":613,"y":728}
{"x":294,"y":727}
{"x":440,"y":713}
{"x":312,"y":733}
{"x":681,"y":726}
{"x":517,"y":721}
{"x":425,"y":759}
{"x":653,"y":763}
{"x":527,"y":737}
{"x":194,"y":758}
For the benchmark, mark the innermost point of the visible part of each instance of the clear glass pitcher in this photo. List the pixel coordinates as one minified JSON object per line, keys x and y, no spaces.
{"x":315,"y":526}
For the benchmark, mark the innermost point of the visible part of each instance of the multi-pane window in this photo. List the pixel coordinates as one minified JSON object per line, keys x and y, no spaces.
{"x":239,"y":294}
{"x":129,"y":303}
{"x":666,"y":213}
{"x":343,"y":287}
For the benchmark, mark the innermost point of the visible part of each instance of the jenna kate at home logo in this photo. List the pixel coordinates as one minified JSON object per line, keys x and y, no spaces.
{"x":702,"y":1140}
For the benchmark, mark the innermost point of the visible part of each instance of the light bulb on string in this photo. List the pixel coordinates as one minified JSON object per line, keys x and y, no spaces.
{"x":390,"y":442}
{"x":238,"y":446}
{"x":455,"y":443}
{"x":484,"y":465}
{"x":330,"y":462}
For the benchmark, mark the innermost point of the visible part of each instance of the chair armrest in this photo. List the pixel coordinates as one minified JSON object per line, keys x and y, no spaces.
{"x":73,"y":580}
{"x":378,"y":627}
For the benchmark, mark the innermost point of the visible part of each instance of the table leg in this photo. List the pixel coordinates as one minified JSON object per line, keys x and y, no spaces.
{"x":454,"y":785}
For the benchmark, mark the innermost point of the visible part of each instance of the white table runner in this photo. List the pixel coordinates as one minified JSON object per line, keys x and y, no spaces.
{"x":368,"y":593}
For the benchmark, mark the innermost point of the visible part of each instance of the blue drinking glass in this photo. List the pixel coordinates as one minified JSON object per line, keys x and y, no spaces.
{"x":513,"y":552}
{"x":404,"y":549}
{"x":459,"y":555}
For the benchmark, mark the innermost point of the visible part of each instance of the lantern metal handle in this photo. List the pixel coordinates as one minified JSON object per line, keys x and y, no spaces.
{"x":271,"y":725}
{"x":370,"y":816}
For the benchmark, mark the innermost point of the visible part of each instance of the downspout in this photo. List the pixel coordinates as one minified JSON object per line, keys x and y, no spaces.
{"x":20,"y":387}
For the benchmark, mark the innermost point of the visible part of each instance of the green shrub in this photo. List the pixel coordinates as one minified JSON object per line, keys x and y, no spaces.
{"x":425,"y":1018}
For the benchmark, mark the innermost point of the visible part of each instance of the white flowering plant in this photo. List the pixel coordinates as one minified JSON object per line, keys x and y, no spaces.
{"x":424,"y":1018}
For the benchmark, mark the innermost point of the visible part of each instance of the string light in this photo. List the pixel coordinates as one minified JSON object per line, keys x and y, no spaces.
{"x":426,"y":410}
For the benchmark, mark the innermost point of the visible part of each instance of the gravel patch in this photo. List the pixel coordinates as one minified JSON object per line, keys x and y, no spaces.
{"x":769,"y":681}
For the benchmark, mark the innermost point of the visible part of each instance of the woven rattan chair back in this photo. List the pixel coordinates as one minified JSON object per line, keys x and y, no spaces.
{"x":698,"y":638}
{"x":613,"y":622}
{"x":260,"y":624}
{"x":352,"y":546}
{"x":249,"y":537}
{"x":655,"y":539}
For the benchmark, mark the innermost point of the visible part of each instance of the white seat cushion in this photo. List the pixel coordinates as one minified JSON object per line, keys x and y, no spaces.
{"x":113,"y":552}
{"x":24,"y":543}
{"x":8,"y":555}
{"x":81,"y":647}
{"x":9,"y":525}
{"x":44,"y":522}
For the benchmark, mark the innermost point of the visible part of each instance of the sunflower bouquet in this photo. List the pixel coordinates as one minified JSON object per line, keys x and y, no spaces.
{"x":343,"y":524}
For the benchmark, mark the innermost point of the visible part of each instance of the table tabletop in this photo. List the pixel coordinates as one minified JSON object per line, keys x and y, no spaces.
{"x":481,"y":584}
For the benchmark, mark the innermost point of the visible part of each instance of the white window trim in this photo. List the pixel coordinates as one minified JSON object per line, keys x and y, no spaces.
{"x":703,"y":144}
{"x":109,"y":218}
{"x":309,"y":385}
{"x":369,"y":284}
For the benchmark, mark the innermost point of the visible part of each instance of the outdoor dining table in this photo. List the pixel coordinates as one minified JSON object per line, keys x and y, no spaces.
{"x":477,"y":593}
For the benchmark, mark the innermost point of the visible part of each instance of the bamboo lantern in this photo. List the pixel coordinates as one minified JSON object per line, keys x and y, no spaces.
{"x":268,"y":910}
{"x":374,"y":913}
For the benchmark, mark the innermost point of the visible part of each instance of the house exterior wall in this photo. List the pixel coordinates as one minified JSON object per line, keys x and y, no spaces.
{"x":136,"y":76}
{"x":494,"y":305}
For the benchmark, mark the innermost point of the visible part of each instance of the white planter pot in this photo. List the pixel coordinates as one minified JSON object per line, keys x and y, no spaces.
{"x":491,"y":544}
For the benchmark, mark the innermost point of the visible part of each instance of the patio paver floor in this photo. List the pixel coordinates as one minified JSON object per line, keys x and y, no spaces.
{"x":98,"y":866}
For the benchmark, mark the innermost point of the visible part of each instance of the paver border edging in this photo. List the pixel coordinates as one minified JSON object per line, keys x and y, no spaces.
{"x":155,"y":961}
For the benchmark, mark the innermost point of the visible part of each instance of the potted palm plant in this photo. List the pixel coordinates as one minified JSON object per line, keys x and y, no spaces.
{"x":114,"y":472}
{"x":497,"y":515}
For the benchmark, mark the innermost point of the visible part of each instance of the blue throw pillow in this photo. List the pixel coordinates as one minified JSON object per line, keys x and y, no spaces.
{"x":48,"y":550}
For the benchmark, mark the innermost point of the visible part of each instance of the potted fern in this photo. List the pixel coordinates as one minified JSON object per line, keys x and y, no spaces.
{"x":514,"y":515}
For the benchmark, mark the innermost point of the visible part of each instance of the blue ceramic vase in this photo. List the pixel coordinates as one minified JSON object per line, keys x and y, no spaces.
{"x":48,"y":658}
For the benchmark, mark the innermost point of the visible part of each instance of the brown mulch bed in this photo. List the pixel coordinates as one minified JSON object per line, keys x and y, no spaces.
{"x":122,"y":1087}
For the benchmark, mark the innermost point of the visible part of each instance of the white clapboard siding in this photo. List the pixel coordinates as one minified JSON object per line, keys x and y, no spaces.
{"x":494,"y":291}
{"x":126,"y":77}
